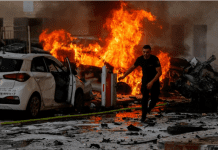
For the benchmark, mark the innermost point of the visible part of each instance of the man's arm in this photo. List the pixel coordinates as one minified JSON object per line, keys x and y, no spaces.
{"x":159,"y":73}
{"x":127,"y":72}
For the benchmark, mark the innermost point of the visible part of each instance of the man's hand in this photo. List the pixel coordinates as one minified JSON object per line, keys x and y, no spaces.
{"x":127,"y":72}
{"x":121,"y":78}
{"x":149,"y":85}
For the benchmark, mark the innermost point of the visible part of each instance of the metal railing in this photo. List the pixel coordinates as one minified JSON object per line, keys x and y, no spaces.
{"x":13,"y":33}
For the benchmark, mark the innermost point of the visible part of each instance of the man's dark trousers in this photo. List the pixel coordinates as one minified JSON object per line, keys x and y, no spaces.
{"x":155,"y":92}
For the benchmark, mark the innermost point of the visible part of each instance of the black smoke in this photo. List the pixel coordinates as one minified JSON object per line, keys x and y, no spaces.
{"x":177,"y":19}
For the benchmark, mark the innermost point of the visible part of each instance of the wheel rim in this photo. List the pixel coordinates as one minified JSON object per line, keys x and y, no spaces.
{"x":34,"y":106}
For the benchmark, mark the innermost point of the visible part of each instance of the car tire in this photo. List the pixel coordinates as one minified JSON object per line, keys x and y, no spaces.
{"x":79,"y":102}
{"x":33,"y":106}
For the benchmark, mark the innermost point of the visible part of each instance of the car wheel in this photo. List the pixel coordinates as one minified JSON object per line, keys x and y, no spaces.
{"x":33,"y":106}
{"x":79,"y":102}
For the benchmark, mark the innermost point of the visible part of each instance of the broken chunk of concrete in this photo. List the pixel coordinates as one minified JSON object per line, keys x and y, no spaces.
{"x":56,"y":142}
{"x":150,"y":122}
{"x":179,"y":129}
{"x":94,"y":146}
{"x":117,"y":123}
{"x":201,"y":122}
{"x":119,"y":140}
{"x":15,"y":128}
{"x":133,"y":128}
{"x":158,"y":136}
{"x":104,"y":125}
{"x":204,"y":114}
{"x":106,"y":140}
{"x":92,"y":105}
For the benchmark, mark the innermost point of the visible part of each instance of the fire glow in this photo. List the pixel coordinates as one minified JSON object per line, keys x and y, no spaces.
{"x":125,"y":33}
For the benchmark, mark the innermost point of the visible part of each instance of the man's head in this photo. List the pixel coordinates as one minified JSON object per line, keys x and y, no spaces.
{"x":146,"y":51}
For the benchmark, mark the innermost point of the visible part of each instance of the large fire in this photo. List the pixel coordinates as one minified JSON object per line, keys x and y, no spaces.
{"x":125,"y":33}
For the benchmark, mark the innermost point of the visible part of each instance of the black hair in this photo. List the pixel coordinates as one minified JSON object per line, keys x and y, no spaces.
{"x":147,"y":47}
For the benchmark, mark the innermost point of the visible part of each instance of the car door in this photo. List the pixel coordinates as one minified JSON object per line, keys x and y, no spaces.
{"x":44,"y":79}
{"x":72,"y":85}
{"x":63,"y":79}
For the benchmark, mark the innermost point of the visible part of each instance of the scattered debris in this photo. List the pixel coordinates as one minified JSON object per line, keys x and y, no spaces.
{"x":92,"y":105}
{"x":176,"y":117}
{"x":179,"y":129}
{"x":17,"y":132}
{"x":150,"y":122}
{"x":56,"y":142}
{"x":158,"y":136}
{"x":106,"y":140}
{"x":133,"y":128}
{"x":72,"y":133}
{"x":138,"y":141}
{"x":117,"y":123}
{"x":94,"y":146}
{"x":159,"y":115}
{"x":199,"y":82}
{"x":104,"y":125}
{"x":204,"y":114}
{"x":124,"y":118}
{"x":132,"y":133}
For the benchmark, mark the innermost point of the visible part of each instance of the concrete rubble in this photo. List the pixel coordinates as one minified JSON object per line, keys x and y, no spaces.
{"x":199,"y":83}
{"x":119,"y":130}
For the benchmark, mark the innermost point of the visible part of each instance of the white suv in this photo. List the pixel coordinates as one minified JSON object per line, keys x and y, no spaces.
{"x":38,"y":81}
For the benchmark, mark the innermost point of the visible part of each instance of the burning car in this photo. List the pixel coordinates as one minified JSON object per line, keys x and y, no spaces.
{"x":199,"y":82}
{"x":38,"y":81}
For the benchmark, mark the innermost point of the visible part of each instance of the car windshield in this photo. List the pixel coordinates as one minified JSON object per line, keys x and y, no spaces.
{"x":10,"y":65}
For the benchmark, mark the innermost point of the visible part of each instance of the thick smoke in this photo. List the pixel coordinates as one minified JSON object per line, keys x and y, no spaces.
{"x":71,"y":16}
{"x":185,"y":14}
{"x":75,"y":16}
{"x":102,"y":9}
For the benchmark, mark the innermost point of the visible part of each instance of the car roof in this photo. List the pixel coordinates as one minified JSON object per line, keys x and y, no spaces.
{"x":17,"y":50}
{"x":28,"y":56}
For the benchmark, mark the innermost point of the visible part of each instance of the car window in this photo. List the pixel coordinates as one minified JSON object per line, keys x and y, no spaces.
{"x":53,"y":66}
{"x":38,"y":65}
{"x":10,"y":65}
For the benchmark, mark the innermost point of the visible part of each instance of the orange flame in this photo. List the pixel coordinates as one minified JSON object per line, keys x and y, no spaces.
{"x":125,"y":33}
{"x":165,"y":64}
